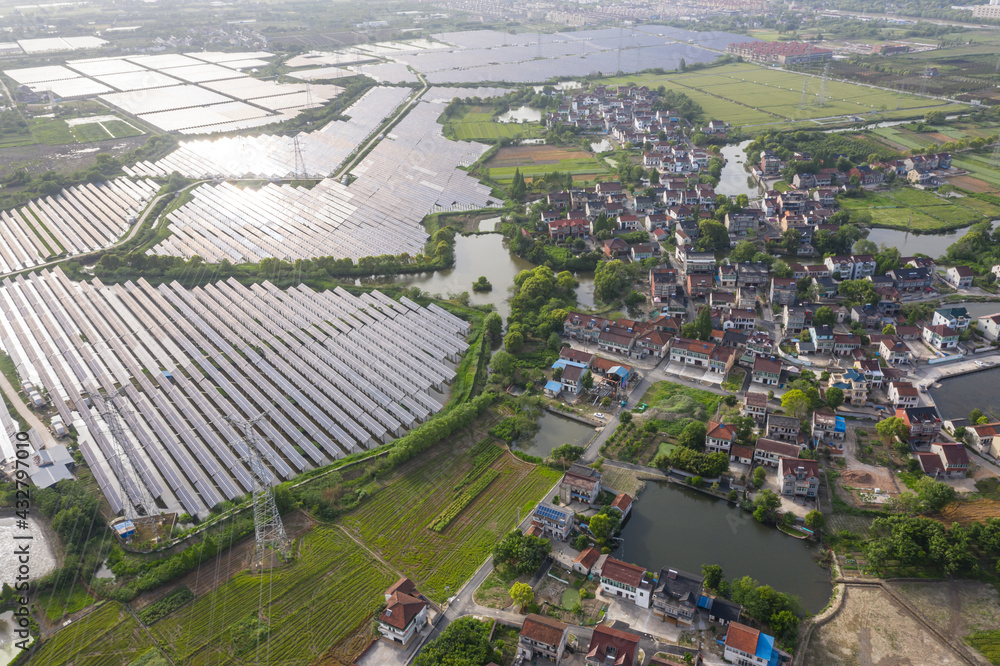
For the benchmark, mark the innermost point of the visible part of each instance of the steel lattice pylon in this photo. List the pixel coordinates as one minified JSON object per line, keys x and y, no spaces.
{"x":268,"y":528}
{"x":137,"y":503}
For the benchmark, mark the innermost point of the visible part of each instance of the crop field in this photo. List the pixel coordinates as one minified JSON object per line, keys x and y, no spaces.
{"x":539,"y":160}
{"x":979,"y":166}
{"x":779,"y":93}
{"x":321,"y":597}
{"x":921,"y":210}
{"x":396,"y":522}
{"x":108,"y":635}
{"x":475,"y":122}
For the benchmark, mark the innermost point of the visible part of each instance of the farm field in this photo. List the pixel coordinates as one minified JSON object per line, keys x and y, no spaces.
{"x":473,"y":123}
{"x":107,"y":635}
{"x":718,"y":89}
{"x":396,"y":522}
{"x":538,"y":160}
{"x":921,"y":210}
{"x":320,"y":598}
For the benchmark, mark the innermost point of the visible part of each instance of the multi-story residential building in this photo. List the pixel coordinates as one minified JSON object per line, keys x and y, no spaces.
{"x":872,"y":372}
{"x":941,"y":337}
{"x":662,"y":283}
{"x":903,"y":394}
{"x":691,"y":261}
{"x":822,"y":338}
{"x":956,"y":318}
{"x":948,"y":459}
{"x":783,"y":290}
{"x":924,"y":424}
{"x":542,"y":636}
{"x":552,"y":522}
{"x":795,"y":318}
{"x":691,"y":352}
{"x":580,"y":484}
{"x":742,"y":223}
{"x":770,"y":164}
{"x":569,"y":228}
{"x":616,"y":339}
{"x":894,"y":351}
{"x":766,"y":371}
{"x":628,"y":581}
{"x":826,"y":425}
{"x":785,"y":428}
{"x":698,"y":285}
{"x":845,"y":345}
{"x":405,"y":613}
{"x":851,"y":266}
{"x":745,"y":646}
{"x":613,"y":647}
{"x":768,"y":451}
{"x":798,"y":477}
{"x":852,"y":383}
{"x":755,"y":406}
{"x":757,"y":344}
{"x":989,"y":326}
{"x":959,"y":277}
{"x":910,"y":279}
{"x":676,"y":596}
{"x":719,"y":437}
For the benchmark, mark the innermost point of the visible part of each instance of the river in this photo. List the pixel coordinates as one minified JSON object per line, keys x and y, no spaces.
{"x":960,"y":395}
{"x":554,"y":431}
{"x":683,"y":528}
{"x":483,"y":254}
{"x":735,"y":179}
{"x":933,"y":245}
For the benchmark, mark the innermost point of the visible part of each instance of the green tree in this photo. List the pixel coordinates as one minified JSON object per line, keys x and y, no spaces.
{"x":713,"y":576}
{"x":625,"y":417}
{"x":888,"y":329}
{"x":522,"y":594}
{"x":858,"y":292}
{"x":796,"y":403}
{"x":785,"y":626}
{"x":582,"y":542}
{"x":693,"y":436}
{"x":814,"y":520}
{"x":464,"y":642}
{"x":759,"y":476}
{"x":587,"y":380}
{"x":975,"y":415}
{"x":744,"y":251}
{"x":766,"y":506}
{"x":834,"y":397}
{"x":744,"y":426}
{"x":712,"y":236}
{"x":824,"y":316}
{"x":601,"y":527}
{"x":611,"y":280}
{"x":514,"y":340}
{"x":519,"y":554}
{"x":494,"y":329}
{"x":892,"y":429}
{"x":703,"y":324}
{"x":781,"y":269}
{"x":933,"y":494}
{"x":482,"y":284}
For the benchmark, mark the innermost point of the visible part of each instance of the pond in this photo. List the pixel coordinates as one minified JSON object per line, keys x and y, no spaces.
{"x":960,"y":395}
{"x":484,"y":254}
{"x":933,"y":245}
{"x":682,"y":528}
{"x":42,"y":558}
{"x":602,"y":146}
{"x":554,"y":431}
{"x":8,"y":650}
{"x":735,"y":179}
{"x":523,"y":114}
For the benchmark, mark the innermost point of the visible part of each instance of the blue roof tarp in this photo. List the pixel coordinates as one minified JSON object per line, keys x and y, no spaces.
{"x":553,"y":386}
{"x":562,"y":363}
{"x":841,"y":425}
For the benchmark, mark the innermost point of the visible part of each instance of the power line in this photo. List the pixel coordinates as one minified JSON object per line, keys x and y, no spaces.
{"x":137,"y":501}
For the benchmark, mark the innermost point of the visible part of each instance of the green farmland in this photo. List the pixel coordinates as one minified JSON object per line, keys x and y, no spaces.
{"x":107,"y":635}
{"x":474,"y":123}
{"x":745,"y":94}
{"x":536,"y":161}
{"x":921,"y":210}
{"x":396,"y":522}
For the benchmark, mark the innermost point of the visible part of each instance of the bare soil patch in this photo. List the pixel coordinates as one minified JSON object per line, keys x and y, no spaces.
{"x":966,"y":513}
{"x":872,"y":629}
{"x":972,"y":184}
{"x":959,"y":608}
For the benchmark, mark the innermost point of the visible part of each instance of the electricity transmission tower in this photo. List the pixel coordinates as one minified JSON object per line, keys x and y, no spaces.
{"x":995,"y":158}
{"x":300,"y":162}
{"x":802,"y":102}
{"x":923,"y":80}
{"x":821,"y":97}
{"x":137,"y":501}
{"x":268,"y":529}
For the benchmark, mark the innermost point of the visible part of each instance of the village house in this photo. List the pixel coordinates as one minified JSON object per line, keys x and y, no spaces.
{"x":785,"y":428}
{"x":872,"y":372}
{"x":622,"y":504}
{"x":580,"y":484}
{"x":945,"y":459}
{"x":746,"y":646}
{"x":719,"y":437}
{"x":756,"y":345}
{"x":612,"y":647}
{"x":569,"y":228}
{"x":903,"y":394}
{"x":585,"y":561}
{"x":956,"y":318}
{"x":852,"y":383}
{"x":662,"y":283}
{"x":795,"y":318}
{"x":766,"y":371}
{"x":798,"y":477}
{"x":989,"y":326}
{"x":542,"y":636}
{"x":910,"y":279}
{"x":676,"y":597}
{"x":851,"y":266}
{"x":720,"y":609}
{"x":783,"y":291}
{"x":894,"y":351}
{"x":755,"y":406}
{"x":986,"y":438}
{"x":615,"y":248}
{"x":924,"y":423}
{"x":576,"y":356}
{"x":826,"y":425}
{"x":741,"y":454}
{"x":552,"y":522}
{"x":616,"y":339}
{"x":691,"y":352}
{"x":768,"y":451}
{"x":628,"y":581}
{"x":822,"y":338}
{"x":959,"y":277}
{"x":867,"y":315}
{"x":405,"y":613}
{"x":698,"y":285}
{"x":721,"y":360}
{"x":941,"y":337}
{"x":845,"y":345}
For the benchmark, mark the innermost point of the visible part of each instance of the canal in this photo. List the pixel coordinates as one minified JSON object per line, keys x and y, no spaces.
{"x":933,"y":245}
{"x":960,"y":395}
{"x":735,"y":179}
{"x":683,"y":529}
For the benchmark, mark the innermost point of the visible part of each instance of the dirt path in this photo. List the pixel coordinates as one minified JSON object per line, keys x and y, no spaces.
{"x":25,"y":413}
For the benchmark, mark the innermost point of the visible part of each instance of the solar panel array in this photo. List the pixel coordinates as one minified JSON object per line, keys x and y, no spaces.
{"x":79,"y":219}
{"x":408,"y":175}
{"x":269,"y":156}
{"x":196,"y":93}
{"x":333,"y":372}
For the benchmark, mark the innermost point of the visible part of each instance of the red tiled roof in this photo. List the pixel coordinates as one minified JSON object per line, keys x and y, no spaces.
{"x":741,"y":637}
{"x":761,"y":364}
{"x":622,"y":572}
{"x":779,"y":448}
{"x":755,"y":399}
{"x":400,"y":610}
{"x":737,"y":451}
{"x":622,"y":502}
{"x":404,"y":585}
{"x":625,"y":643}
{"x":929,"y":462}
{"x":720,"y":431}
{"x":789,"y":465}
{"x":954,"y":454}
{"x":543,"y":629}
{"x":588,"y":557}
